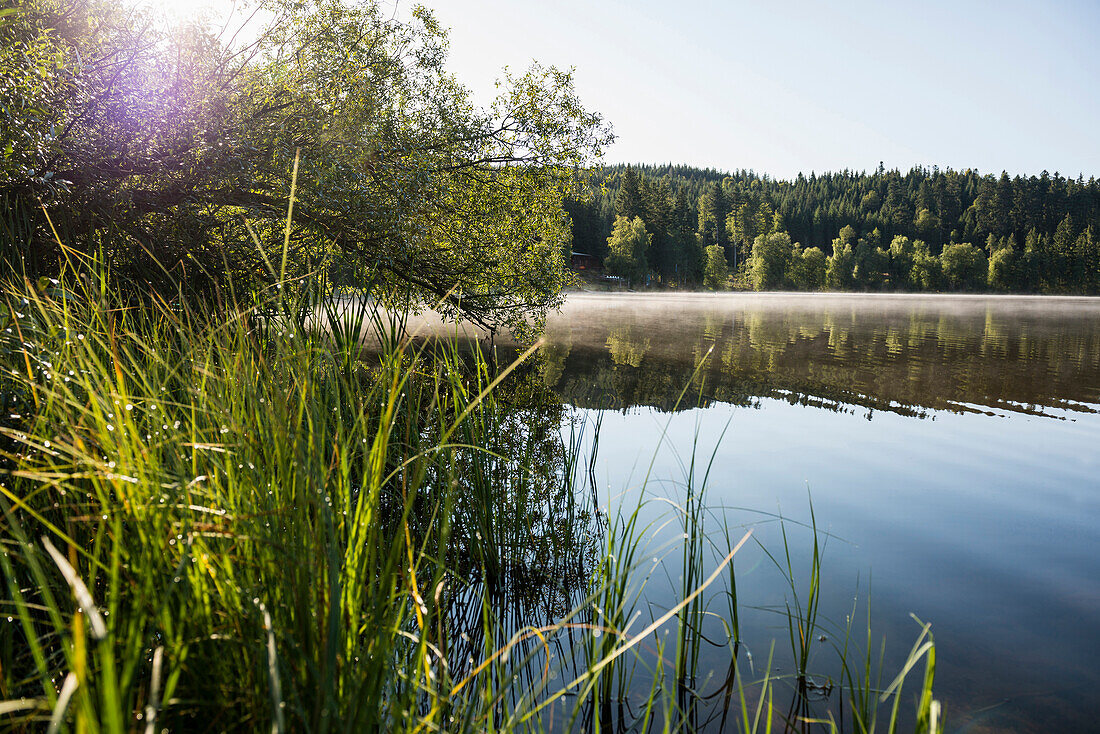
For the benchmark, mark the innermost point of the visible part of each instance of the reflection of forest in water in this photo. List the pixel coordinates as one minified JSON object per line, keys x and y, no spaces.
{"x":903,"y":355}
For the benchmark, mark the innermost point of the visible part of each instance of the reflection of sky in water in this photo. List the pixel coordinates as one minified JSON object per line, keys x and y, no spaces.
{"x":987,"y":525}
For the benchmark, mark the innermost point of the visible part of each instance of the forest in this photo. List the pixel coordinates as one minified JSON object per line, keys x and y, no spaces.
{"x":925,"y":230}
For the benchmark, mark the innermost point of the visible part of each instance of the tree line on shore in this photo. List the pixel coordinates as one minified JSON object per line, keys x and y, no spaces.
{"x":925,"y":230}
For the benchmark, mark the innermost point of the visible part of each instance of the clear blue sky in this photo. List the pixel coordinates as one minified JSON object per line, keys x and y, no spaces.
{"x":783,"y":87}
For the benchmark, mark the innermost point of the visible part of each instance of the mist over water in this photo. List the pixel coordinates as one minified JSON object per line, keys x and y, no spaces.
{"x":905,"y":354}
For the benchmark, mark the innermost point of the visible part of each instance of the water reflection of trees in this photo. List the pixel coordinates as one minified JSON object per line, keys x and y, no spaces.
{"x":905,"y":361}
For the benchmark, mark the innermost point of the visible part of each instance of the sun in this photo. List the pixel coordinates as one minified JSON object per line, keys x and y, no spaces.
{"x":189,"y":10}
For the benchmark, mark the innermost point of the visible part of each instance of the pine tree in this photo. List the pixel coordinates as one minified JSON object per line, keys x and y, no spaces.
{"x":628,"y":203}
{"x":1085,"y":267}
{"x":687,"y":255}
{"x":1061,"y":255}
{"x":713,"y":209}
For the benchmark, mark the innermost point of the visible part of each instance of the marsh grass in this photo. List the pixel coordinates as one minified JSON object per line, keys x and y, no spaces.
{"x":234,"y":519}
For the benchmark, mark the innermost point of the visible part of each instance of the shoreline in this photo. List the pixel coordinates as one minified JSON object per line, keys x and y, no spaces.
{"x":833,"y":294}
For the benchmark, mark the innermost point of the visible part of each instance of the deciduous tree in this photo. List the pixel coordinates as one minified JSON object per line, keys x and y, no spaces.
{"x":716,"y":272}
{"x":627,"y":247}
{"x":164,"y":145}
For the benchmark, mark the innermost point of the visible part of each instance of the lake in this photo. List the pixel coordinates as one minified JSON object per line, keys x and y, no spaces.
{"x":948,"y":445}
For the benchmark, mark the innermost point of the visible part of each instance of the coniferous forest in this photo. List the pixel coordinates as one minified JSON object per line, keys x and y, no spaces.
{"x":925,"y":230}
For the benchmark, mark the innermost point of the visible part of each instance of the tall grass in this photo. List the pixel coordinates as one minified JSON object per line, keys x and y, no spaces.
{"x":237,"y":520}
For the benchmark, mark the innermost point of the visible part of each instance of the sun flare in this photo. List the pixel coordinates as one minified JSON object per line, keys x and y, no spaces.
{"x":186,"y":10}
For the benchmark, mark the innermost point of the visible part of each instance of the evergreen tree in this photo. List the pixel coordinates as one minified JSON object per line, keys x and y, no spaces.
{"x":1085,"y":261}
{"x":687,"y":253}
{"x":713,"y":209}
{"x":629,"y":203}
{"x":1061,"y":255}
{"x":898,"y":209}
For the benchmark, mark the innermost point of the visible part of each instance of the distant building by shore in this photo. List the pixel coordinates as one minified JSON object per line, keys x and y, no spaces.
{"x":583,"y":261}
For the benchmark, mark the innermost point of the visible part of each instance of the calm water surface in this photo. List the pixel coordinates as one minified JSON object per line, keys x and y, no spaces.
{"x":949,"y":447}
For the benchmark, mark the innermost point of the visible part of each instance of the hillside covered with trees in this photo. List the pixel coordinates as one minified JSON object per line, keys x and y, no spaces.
{"x":925,"y":230}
